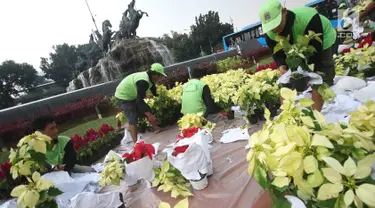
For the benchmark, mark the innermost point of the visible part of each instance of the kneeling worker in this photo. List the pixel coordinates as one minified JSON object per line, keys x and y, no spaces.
{"x":130,"y":94}
{"x":277,"y":20}
{"x":196,"y":96}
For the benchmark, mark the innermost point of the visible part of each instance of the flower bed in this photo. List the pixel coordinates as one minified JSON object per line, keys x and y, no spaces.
{"x":13,"y":131}
{"x":95,"y":144}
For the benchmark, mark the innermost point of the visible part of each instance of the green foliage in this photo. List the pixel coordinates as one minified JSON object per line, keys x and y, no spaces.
{"x":207,"y":32}
{"x":229,"y":63}
{"x":15,"y":78}
{"x":67,"y":61}
{"x":298,"y":54}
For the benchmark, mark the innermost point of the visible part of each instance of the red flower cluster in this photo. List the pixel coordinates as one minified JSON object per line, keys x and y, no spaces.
{"x":271,"y":65}
{"x":179,"y":150}
{"x":90,"y":136}
{"x":187,"y":133}
{"x":5,"y":169}
{"x":140,"y":150}
{"x":105,"y":129}
{"x":367,"y":40}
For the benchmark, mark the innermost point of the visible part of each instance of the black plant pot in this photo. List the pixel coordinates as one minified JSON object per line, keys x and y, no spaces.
{"x":230,"y":115}
{"x":299,"y":84}
{"x":273,"y":111}
{"x":253,"y":119}
{"x":260,"y":113}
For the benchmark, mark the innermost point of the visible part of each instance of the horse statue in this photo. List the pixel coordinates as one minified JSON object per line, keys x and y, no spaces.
{"x":107,"y":34}
{"x":129,"y":25}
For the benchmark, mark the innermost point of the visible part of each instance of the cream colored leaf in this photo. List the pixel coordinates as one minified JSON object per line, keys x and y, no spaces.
{"x":31,"y":198}
{"x":319,"y":117}
{"x":365,"y":192}
{"x":17,"y":191}
{"x":305,"y":102}
{"x":320,"y":140}
{"x":333,"y":163}
{"x":307,"y":120}
{"x":164,"y":205}
{"x":332,"y":175}
{"x":281,"y":181}
{"x":329,"y":191}
{"x":183,"y":203}
{"x":349,"y":197}
{"x":38,"y":145}
{"x":350,"y":167}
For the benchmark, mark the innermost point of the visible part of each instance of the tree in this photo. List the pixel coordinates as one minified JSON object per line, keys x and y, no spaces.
{"x":15,"y":78}
{"x":207,"y":32}
{"x":67,"y":61}
{"x":60,"y":66}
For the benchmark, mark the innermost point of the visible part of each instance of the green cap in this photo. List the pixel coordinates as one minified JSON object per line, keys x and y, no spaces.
{"x":156,"y":67}
{"x":270,"y":15}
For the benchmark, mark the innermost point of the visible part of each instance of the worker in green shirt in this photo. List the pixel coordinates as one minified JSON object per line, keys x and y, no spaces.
{"x":277,"y":20}
{"x":196,"y":96}
{"x":130,"y":94}
{"x":60,"y":154}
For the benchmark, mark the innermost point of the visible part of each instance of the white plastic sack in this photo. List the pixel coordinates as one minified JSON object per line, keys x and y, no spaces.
{"x":141,"y":169}
{"x":202,"y":138}
{"x":295,"y":201}
{"x":350,"y":83}
{"x":365,"y":93}
{"x":192,"y":162}
{"x":87,"y":199}
{"x":12,"y":203}
{"x":233,"y":135}
{"x":58,"y":177}
{"x":315,"y":79}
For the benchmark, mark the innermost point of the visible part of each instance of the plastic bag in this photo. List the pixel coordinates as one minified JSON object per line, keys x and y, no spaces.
{"x":233,"y":135}
{"x":140,"y":169}
{"x":315,"y":79}
{"x":350,"y":83}
{"x":87,"y":199}
{"x":365,"y":93}
{"x":192,"y":162}
{"x":202,"y":138}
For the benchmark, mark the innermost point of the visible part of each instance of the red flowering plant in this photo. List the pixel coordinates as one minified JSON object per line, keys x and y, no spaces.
{"x":93,"y":140}
{"x":179,"y":150}
{"x":187,"y":133}
{"x":140,"y":151}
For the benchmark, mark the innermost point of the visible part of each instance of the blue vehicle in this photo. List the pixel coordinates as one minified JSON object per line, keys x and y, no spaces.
{"x":328,"y":8}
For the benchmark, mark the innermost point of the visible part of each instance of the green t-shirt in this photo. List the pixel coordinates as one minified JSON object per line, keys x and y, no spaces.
{"x":55,"y":155}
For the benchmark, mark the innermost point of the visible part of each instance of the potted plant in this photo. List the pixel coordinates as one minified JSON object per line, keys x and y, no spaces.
{"x":299,"y":81}
{"x":139,"y":162}
{"x":200,"y":184}
{"x":114,"y":171}
{"x":297,"y":56}
{"x":168,"y":178}
{"x":29,"y":160}
{"x":326,"y":165}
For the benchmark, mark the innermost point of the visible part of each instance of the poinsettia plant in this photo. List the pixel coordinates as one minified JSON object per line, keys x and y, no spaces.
{"x":113,"y":172}
{"x":324,"y":164}
{"x":168,"y":178}
{"x":28,"y":160}
{"x":140,"y":151}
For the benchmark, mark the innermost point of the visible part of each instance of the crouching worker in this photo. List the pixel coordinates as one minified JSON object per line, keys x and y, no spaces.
{"x":130,"y":94}
{"x":60,"y":153}
{"x":196,"y":96}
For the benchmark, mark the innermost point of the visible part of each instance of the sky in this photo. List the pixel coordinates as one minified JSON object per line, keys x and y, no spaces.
{"x":31,"y":28}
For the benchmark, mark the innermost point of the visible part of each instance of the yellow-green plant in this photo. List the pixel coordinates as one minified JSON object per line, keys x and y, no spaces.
{"x":168,"y":178}
{"x":300,"y":154}
{"x":113,"y":172}
{"x":229,"y":63}
{"x":27,"y":161}
{"x":181,"y":204}
{"x":38,"y":192}
{"x":359,"y":57}
{"x":195,"y":120}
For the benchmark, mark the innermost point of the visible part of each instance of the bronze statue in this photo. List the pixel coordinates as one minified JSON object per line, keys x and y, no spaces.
{"x":129,"y":25}
{"x":107,"y":34}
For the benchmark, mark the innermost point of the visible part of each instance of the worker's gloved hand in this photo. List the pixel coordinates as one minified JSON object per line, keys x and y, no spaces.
{"x":152,"y":119}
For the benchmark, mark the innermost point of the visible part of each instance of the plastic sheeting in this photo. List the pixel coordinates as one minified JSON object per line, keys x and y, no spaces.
{"x":230,"y":186}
